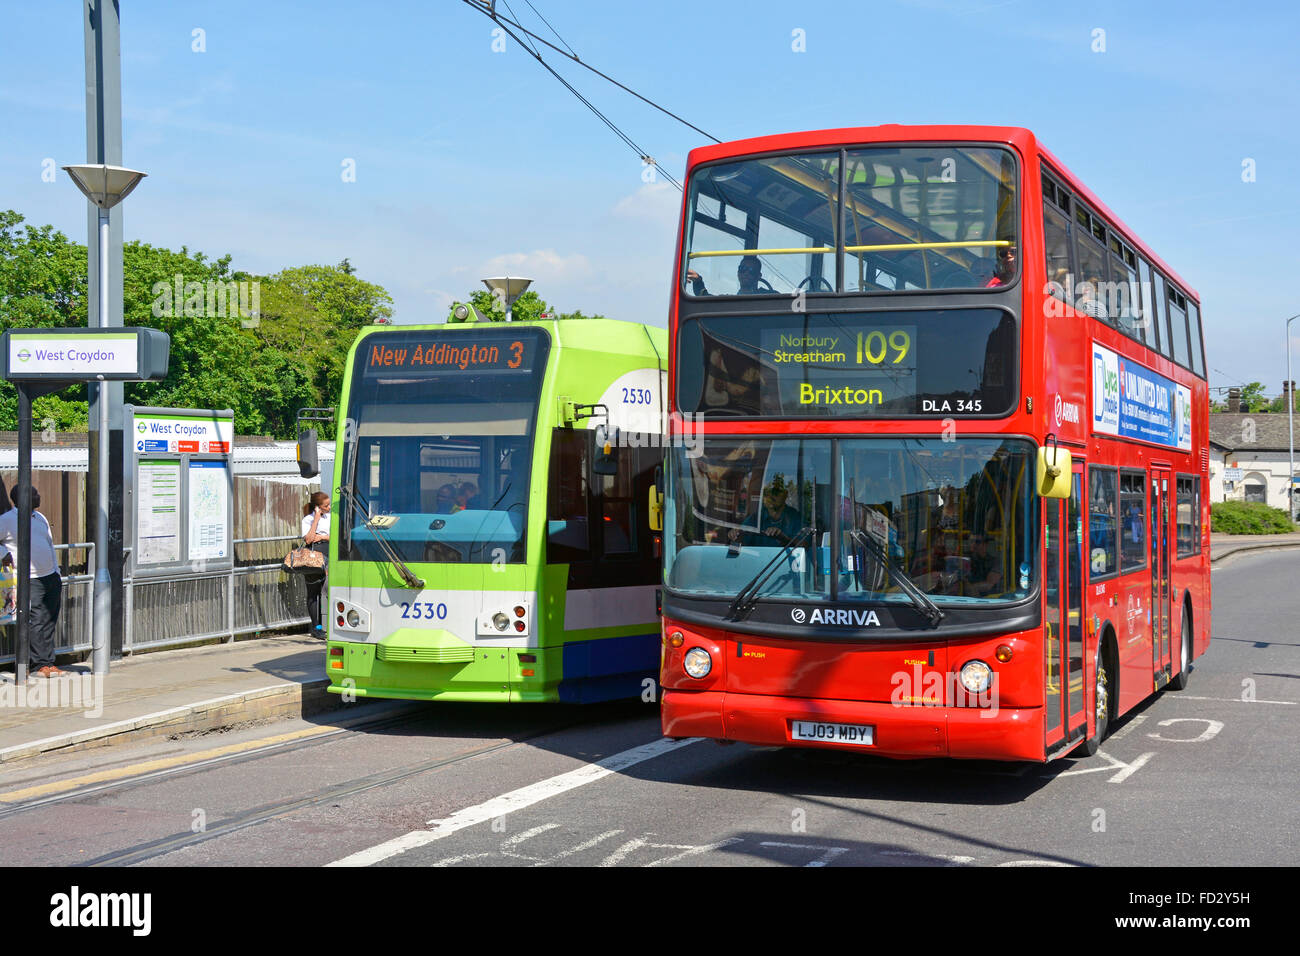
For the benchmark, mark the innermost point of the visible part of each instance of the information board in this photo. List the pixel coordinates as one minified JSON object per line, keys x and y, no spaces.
{"x":209,"y":510}
{"x":178,"y":468}
{"x":158,"y":512}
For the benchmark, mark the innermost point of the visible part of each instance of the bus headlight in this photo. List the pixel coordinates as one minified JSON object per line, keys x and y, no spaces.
{"x":697,"y":662}
{"x":500,"y":621}
{"x":976,"y":676}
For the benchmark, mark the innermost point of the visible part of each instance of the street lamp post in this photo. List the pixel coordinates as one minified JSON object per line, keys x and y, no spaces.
{"x":508,"y":288}
{"x":1290,"y":424}
{"x":105,"y":186}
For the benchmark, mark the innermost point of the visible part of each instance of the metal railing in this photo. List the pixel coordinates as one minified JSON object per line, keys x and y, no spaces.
{"x":187,"y":607}
{"x":73,"y":632}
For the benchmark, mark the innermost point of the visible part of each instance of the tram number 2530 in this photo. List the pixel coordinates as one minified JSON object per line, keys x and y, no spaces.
{"x":423,"y":610}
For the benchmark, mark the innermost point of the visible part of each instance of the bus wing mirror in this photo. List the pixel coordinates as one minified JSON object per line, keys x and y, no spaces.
{"x":656,"y":510}
{"x":308,"y":459}
{"x":1055,"y":471}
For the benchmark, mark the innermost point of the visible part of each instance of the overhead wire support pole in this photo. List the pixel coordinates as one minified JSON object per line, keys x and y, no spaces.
{"x":488,"y":9}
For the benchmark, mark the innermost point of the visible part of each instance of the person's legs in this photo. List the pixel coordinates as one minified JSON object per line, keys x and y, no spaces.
{"x":46,"y":600}
{"x":315,"y":583}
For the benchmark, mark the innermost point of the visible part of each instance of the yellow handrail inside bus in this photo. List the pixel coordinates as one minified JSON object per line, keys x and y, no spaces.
{"x":880,"y":247}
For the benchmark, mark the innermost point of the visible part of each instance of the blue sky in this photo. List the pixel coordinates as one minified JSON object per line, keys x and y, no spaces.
{"x":472,"y":162}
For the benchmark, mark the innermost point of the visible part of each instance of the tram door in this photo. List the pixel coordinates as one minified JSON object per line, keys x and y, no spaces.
{"x":1064,"y":619}
{"x":1161,"y":645}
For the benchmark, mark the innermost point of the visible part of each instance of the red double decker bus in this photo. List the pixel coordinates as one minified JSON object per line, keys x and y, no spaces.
{"x":939,"y":451}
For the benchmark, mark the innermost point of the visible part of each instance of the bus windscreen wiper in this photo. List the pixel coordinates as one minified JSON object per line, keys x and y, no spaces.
{"x":745,"y":599}
{"x":932,"y":611}
{"x":386,"y":546}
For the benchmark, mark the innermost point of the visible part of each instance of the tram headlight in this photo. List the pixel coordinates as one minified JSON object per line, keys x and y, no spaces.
{"x":976,"y":676}
{"x":697,"y":663}
{"x":500,"y":621}
{"x":354,"y":619}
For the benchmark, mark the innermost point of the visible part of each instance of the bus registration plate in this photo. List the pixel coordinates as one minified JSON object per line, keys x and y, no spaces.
{"x":860,"y":734}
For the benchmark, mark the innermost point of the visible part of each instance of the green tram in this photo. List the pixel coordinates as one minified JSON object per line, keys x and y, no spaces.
{"x":493,"y":534}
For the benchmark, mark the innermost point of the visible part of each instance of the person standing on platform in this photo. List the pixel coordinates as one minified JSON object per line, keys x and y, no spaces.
{"x":316,"y":535}
{"x":47,"y":584}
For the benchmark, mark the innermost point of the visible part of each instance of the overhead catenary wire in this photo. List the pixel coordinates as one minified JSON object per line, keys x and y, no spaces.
{"x":641,"y":153}
{"x":490,"y":12}
{"x":572,"y":51}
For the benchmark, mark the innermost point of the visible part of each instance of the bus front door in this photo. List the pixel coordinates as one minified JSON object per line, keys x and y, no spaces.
{"x":1064,"y":620}
{"x":1161,"y":650}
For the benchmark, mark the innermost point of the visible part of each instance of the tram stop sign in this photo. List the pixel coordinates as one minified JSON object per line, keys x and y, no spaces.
{"x":85,"y":355}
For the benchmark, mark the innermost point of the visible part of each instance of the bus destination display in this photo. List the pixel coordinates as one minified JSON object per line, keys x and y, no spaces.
{"x":854,"y":370}
{"x":851,"y":365}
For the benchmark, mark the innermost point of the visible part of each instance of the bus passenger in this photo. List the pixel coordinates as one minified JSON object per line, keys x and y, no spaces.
{"x":749,"y":275}
{"x":1006,"y":267}
{"x":1089,"y":301}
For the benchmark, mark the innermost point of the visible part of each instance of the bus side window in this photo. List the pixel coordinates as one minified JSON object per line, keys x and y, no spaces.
{"x":568,"y":536}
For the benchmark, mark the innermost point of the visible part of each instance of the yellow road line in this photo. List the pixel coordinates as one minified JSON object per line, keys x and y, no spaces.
{"x":150,"y":766}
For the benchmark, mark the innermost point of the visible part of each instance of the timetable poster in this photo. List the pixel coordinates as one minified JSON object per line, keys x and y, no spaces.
{"x":209,"y":510}
{"x":158,"y":515}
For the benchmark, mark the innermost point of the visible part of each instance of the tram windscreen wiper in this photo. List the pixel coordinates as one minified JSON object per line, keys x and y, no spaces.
{"x":745,"y":598}
{"x":386,"y":546}
{"x":932,"y":611}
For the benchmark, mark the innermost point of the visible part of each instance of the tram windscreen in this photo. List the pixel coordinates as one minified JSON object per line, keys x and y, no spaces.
{"x":440,"y":444}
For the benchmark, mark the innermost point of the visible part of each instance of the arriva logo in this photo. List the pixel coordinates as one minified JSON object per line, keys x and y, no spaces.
{"x":836,"y":617}
{"x":1066,"y":411}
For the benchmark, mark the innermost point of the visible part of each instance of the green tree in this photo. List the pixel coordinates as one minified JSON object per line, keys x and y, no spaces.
{"x":291,"y":357}
{"x":528,"y":307}
{"x":1252,"y":398}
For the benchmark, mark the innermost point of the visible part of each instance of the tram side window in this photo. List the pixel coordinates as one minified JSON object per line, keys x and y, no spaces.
{"x":1189,"y":516}
{"x":1132,"y":509}
{"x":1103,"y":504}
{"x":618,"y":506}
{"x":568,"y":536}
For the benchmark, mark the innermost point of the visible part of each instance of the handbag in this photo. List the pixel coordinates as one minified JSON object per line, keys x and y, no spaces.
{"x":303,"y":561}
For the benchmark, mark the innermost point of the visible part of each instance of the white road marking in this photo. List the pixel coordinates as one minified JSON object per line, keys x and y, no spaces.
{"x":953,"y":860}
{"x":1126,"y":769}
{"x":1212,"y":728}
{"x":594,"y":841}
{"x":631,"y":846}
{"x":831,"y":852}
{"x":1035,"y":863}
{"x":507,"y":846}
{"x":1235,"y":700}
{"x":1128,"y":728}
{"x":515,"y":800}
